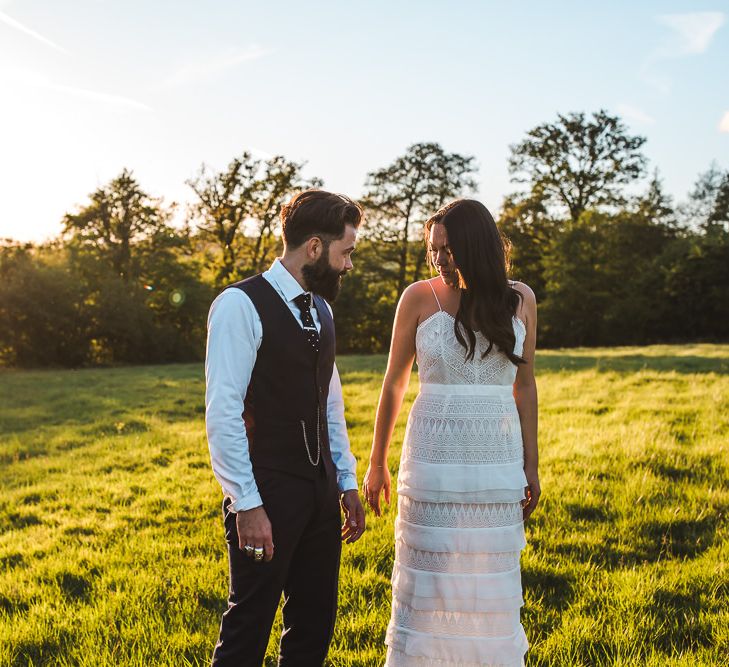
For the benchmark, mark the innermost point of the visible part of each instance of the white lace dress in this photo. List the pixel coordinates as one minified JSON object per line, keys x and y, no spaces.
{"x":456,"y":581}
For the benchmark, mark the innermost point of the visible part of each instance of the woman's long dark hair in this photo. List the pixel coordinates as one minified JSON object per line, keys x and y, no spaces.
{"x":488,"y":301}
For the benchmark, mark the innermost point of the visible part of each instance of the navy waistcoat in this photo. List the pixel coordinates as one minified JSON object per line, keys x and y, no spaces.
{"x":289,"y":387}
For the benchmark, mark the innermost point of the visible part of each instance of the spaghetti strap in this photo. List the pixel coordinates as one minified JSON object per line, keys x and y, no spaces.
{"x":434,"y":294}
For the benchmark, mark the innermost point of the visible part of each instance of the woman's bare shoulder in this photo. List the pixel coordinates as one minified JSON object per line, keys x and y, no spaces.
{"x":417,"y":301}
{"x":527,"y":309}
{"x":526,"y":292}
{"x":418,"y":291}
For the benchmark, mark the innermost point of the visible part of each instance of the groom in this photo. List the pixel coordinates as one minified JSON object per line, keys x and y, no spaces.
{"x":278,"y":439}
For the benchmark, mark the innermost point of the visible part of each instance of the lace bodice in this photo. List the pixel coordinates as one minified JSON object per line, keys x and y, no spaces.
{"x":456,"y":580}
{"x":442,"y":359}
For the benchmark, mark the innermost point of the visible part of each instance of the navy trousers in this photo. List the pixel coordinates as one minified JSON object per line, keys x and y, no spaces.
{"x":306,"y":523}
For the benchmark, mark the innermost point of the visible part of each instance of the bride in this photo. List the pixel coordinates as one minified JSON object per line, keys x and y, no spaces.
{"x":468,"y":472}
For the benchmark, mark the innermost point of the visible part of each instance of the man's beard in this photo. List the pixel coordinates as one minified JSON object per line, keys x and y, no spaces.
{"x":322,"y":279}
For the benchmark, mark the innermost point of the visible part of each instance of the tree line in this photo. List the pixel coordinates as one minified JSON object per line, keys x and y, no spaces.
{"x":612,"y":259}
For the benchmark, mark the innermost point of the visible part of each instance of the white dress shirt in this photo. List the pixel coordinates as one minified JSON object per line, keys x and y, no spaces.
{"x":235,"y":333}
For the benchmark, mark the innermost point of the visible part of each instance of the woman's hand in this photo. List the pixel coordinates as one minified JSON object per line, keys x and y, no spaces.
{"x":532,"y":492}
{"x":376,"y":480}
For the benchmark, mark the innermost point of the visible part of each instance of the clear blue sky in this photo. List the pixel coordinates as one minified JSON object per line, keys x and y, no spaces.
{"x":91,"y":86}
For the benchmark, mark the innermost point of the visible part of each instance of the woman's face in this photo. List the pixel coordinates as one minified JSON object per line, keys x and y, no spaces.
{"x":441,"y":256}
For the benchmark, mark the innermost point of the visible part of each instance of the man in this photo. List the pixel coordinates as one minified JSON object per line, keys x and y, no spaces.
{"x":278,"y":439}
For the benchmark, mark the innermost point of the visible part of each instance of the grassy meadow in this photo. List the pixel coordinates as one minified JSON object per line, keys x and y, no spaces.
{"x":111,"y":536}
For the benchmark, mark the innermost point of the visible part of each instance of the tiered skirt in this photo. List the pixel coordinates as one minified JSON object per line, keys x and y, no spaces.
{"x":459,"y":532}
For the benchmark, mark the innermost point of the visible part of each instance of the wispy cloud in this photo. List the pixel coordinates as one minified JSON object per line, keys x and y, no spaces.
{"x":36,"y":80}
{"x":106,"y":98}
{"x":201,"y":71}
{"x":17,"y":25}
{"x":690,"y":34}
{"x":634,"y":114}
{"x":724,"y":122}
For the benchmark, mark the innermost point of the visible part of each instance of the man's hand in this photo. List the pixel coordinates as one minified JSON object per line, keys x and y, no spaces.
{"x":354,"y":516}
{"x":254,"y":529}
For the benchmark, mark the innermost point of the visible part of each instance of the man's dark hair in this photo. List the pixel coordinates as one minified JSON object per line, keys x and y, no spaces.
{"x":318,"y":213}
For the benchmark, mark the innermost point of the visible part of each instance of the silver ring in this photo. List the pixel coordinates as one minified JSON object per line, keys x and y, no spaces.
{"x":248,"y":549}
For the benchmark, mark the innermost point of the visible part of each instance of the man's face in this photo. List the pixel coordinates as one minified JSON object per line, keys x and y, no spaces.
{"x":324,"y":276}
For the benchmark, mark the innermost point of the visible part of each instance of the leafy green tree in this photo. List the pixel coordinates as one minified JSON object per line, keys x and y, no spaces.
{"x":604,"y":282}
{"x":654,"y":205}
{"x":365,"y":308}
{"x":44,"y":322}
{"x":578,"y":163}
{"x":280,"y":179}
{"x":707,"y":207}
{"x":576,"y":294}
{"x":399,"y":198}
{"x":530,"y":232}
{"x":224,"y":200}
{"x":695,"y":281}
{"x":237,"y":211}
{"x":178,"y":299}
{"x":720,"y":214}
{"x":139,"y":281}
{"x":631,"y":247}
{"x":119,"y":217}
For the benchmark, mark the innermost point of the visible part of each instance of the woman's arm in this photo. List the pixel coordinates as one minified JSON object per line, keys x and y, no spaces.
{"x":397,"y":378}
{"x":525,"y":395}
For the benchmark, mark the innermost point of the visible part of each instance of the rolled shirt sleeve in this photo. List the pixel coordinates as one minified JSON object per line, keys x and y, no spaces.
{"x":342,"y":457}
{"x":234,"y":335}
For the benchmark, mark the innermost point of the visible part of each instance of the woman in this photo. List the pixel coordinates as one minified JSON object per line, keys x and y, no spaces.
{"x":468,"y":473}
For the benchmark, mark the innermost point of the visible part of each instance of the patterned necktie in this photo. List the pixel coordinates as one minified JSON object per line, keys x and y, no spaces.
{"x":303,"y":301}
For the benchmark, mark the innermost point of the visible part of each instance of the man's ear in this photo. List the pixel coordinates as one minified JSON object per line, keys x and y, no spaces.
{"x":314,"y":248}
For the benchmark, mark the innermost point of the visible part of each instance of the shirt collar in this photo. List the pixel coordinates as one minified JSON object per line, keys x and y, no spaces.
{"x":288,"y":285}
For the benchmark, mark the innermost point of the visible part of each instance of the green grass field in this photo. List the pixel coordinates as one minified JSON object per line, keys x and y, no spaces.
{"x":112,"y":550}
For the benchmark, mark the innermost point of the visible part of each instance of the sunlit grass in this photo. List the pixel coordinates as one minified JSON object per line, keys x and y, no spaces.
{"x":112,"y":550}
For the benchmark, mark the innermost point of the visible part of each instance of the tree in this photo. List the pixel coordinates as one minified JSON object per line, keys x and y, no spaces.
{"x":237,"y":210}
{"x":530,"y":231}
{"x":695,"y":276}
{"x":400,"y":197}
{"x":577,"y":163}
{"x":279,"y":181}
{"x":366,"y":304}
{"x":707,"y":207}
{"x":654,"y":205}
{"x":119,"y":216}
{"x":44,"y":322}
{"x":603,"y":281}
{"x":576,"y":292}
{"x":224,"y":200}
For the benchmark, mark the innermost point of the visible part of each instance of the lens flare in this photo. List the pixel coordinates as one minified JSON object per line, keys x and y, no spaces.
{"x":177,"y":298}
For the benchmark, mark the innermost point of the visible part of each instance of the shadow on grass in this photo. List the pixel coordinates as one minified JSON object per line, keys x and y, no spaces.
{"x":680,"y":538}
{"x":555,"y":589}
{"x":684,"y":467}
{"x":680,"y":619}
{"x":20,"y":520}
{"x":11,"y":560}
{"x":75,"y":586}
{"x":649,"y":543}
{"x":381,"y":560}
{"x":590,"y":512}
{"x":39,"y":650}
{"x":12,"y":606}
{"x":114,"y":396}
{"x":629,"y":363}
